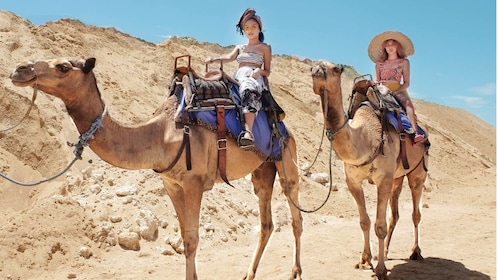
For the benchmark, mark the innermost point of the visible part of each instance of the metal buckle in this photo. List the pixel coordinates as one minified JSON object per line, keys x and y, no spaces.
{"x":402,"y":136}
{"x":186,"y":130}
{"x":222,"y":147}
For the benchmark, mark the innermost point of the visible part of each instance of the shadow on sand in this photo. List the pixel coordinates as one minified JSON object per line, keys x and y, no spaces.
{"x":434,"y":269}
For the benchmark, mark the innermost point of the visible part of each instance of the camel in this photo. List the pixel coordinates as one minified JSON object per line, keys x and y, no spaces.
{"x":155,"y":144}
{"x":369,"y":154}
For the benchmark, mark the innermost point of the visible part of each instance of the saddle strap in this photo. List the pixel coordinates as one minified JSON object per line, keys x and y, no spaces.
{"x":402,"y":141}
{"x":185,"y":145}
{"x":221,"y":143}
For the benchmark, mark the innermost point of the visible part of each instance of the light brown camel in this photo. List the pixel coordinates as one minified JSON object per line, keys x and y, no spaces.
{"x":357,"y":142}
{"x":155,"y":144}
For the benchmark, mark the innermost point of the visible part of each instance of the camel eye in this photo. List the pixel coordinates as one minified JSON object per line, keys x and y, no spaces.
{"x":63,"y":68}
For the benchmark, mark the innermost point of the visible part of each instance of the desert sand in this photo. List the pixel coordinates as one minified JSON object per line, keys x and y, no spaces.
{"x":66,"y":228}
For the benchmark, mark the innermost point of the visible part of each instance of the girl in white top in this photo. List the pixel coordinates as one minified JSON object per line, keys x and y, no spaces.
{"x":254,"y":60}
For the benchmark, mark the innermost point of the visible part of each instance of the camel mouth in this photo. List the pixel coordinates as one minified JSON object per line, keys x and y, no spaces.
{"x":23,"y":83}
{"x":22,"y":78}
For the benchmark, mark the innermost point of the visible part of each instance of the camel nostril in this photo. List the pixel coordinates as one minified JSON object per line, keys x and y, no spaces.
{"x":25,"y":68}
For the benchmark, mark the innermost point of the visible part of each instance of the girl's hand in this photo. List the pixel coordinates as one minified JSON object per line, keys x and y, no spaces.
{"x":256,"y":73}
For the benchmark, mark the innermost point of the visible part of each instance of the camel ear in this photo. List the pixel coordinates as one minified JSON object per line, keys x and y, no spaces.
{"x":89,"y":64}
{"x":339,"y":68}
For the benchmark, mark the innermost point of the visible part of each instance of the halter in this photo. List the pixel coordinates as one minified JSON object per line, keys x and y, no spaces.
{"x":78,"y":150}
{"x":331,"y":134}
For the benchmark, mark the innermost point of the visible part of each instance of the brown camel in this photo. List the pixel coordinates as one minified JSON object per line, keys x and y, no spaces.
{"x":155,"y":144}
{"x":369,"y":154}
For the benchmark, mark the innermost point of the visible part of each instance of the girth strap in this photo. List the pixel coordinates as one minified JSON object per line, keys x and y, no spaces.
{"x":185,"y":145}
{"x":402,"y":141}
{"x":221,"y":143}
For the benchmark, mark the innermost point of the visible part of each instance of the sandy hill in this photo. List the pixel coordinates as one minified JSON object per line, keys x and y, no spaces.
{"x":44,"y":228}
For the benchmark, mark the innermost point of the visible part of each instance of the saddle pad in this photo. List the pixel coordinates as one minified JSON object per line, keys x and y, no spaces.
{"x":404,"y":122}
{"x":261,"y":129}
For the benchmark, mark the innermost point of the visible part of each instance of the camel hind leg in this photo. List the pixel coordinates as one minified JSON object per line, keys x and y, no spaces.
{"x":416,"y":180}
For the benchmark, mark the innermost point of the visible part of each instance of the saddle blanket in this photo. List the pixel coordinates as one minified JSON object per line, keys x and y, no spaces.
{"x":263,"y":140}
{"x":405,"y":123}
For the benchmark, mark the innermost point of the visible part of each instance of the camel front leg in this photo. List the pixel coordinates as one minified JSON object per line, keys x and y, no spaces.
{"x":289,"y":181}
{"x":384,"y":193}
{"x":357,"y":191}
{"x":394,"y":218}
{"x":262,"y":179}
{"x":187,"y":201}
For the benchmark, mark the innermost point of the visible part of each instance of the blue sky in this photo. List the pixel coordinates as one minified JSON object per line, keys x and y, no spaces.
{"x":455,"y":41}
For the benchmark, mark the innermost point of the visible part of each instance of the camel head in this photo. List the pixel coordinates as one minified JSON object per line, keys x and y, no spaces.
{"x":326,"y":76}
{"x":54,"y":76}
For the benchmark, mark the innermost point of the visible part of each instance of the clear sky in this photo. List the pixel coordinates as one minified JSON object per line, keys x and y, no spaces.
{"x":455,"y":41}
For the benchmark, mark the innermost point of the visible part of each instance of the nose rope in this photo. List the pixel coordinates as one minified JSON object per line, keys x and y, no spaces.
{"x":33,"y":98}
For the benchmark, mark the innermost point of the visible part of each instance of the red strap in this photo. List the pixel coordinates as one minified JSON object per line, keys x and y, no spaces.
{"x":222,"y":143}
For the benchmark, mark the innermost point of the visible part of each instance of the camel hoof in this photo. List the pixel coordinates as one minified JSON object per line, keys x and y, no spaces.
{"x":296,"y":274}
{"x":380,"y":276}
{"x":416,"y":256}
{"x":364,"y":266}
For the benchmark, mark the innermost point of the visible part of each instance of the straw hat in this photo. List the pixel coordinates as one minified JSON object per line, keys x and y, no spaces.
{"x":375,"y":47}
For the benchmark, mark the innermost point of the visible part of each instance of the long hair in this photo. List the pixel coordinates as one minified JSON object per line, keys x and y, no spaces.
{"x":399,"y":50}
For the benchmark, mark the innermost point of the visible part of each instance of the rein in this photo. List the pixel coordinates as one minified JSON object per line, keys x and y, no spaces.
{"x":287,"y":188}
{"x":35,"y":93}
{"x":78,"y":150}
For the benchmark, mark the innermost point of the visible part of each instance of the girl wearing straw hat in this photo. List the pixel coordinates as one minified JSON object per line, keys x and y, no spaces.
{"x":389,"y":50}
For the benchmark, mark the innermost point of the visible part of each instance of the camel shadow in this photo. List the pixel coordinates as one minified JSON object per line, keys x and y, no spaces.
{"x":434,"y":268}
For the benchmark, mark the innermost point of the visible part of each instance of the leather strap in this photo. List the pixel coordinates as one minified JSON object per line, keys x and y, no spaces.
{"x":221,"y":143}
{"x":185,"y":145}
{"x":402,"y":141}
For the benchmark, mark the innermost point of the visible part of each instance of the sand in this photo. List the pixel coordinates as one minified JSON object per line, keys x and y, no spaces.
{"x":66,"y":228}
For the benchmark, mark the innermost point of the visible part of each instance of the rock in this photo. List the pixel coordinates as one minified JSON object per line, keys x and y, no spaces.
{"x":176,"y":243}
{"x":321,"y":178}
{"x":95,"y":189}
{"x":148,"y":225}
{"x":85,"y":252}
{"x":129,"y":189}
{"x":223,"y":237}
{"x":163,"y":222}
{"x":115,"y":218}
{"x":129,"y":240}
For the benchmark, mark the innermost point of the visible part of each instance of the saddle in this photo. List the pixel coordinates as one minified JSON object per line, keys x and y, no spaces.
{"x":215,"y":91}
{"x":366,"y":92}
{"x":205,"y":91}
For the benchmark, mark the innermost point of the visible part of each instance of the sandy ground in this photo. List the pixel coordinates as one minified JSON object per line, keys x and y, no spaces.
{"x":45,"y":228}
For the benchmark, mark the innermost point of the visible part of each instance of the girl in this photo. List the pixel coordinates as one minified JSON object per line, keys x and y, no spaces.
{"x":389,"y":51}
{"x":254,"y":60}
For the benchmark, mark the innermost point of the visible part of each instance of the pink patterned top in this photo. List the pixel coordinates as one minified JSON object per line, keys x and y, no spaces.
{"x":391,"y":70}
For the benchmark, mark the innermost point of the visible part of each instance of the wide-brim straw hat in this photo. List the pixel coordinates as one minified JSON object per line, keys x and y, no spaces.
{"x":375,"y":47}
